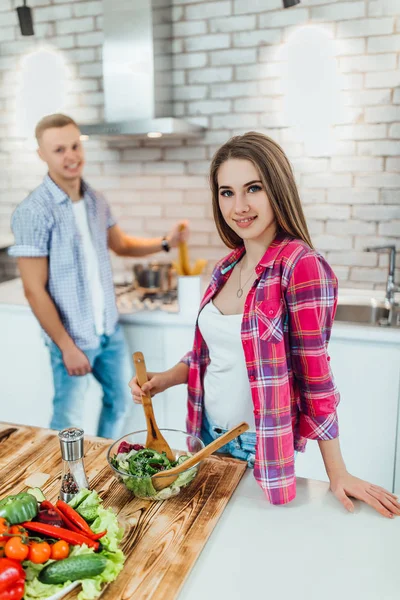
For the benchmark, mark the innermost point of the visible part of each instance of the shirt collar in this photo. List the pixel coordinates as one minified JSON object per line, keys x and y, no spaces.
{"x":274,"y":249}
{"x":57,"y":193}
{"x":267,"y":261}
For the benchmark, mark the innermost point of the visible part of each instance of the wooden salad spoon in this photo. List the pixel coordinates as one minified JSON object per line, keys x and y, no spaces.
{"x":155,"y":440}
{"x":166,"y":478}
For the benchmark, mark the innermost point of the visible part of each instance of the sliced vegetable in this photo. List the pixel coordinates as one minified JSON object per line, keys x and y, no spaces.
{"x":37,"y":493}
{"x":60,"y":533}
{"x":73,"y":569}
{"x":18,"y":508}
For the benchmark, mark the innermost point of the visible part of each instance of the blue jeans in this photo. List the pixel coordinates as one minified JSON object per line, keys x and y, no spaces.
{"x":242,"y":447}
{"x":110,"y":366}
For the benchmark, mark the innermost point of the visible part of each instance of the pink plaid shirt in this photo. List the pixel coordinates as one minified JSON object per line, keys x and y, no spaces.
{"x":286,"y":326}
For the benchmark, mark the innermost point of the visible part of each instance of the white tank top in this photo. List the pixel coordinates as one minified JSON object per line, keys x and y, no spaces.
{"x":92,"y":265}
{"x":227,"y":394}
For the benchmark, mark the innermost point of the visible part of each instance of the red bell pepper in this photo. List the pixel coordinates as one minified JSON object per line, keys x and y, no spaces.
{"x":59,"y":533}
{"x":12,"y":577}
{"x":16,"y":592}
{"x":72,"y":515}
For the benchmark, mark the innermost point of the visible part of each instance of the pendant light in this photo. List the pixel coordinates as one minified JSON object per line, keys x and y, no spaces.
{"x":25,"y":19}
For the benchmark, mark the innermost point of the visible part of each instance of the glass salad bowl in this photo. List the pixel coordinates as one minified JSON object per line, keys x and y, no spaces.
{"x":134,"y":465}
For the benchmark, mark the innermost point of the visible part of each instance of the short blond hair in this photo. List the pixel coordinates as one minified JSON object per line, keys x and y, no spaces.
{"x":51,"y":121}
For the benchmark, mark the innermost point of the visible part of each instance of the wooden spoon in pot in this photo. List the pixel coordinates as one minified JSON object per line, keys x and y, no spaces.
{"x":166,"y":478}
{"x":155,"y":439}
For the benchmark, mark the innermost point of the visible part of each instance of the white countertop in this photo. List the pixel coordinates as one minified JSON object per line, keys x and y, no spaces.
{"x":309,"y":549}
{"x":12,"y":298}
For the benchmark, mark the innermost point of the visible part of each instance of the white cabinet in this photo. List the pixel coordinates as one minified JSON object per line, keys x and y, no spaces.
{"x":367,"y":375}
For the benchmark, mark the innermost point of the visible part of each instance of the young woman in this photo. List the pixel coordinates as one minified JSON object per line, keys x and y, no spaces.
{"x":260,"y":348}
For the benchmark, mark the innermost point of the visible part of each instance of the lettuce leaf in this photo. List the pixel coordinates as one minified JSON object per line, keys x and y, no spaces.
{"x":107,"y":519}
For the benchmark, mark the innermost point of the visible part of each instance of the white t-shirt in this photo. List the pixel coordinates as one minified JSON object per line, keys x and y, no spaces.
{"x":92,"y":265}
{"x":227,"y":394}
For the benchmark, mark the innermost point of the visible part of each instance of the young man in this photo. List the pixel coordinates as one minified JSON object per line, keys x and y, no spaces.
{"x":63,"y":231}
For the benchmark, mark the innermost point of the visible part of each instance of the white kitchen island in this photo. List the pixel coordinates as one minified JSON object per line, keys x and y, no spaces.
{"x":310,"y":549}
{"x":365,"y":362}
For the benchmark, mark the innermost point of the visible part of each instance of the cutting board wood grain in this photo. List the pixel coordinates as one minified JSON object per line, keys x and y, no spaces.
{"x":162,"y":540}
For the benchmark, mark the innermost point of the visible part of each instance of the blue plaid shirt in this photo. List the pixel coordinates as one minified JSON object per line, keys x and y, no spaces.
{"x":44,"y":225}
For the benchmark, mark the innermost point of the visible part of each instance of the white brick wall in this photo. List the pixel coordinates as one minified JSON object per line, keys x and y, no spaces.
{"x":229,"y":60}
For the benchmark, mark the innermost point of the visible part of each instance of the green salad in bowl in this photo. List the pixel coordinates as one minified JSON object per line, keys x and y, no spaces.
{"x":134,"y":465}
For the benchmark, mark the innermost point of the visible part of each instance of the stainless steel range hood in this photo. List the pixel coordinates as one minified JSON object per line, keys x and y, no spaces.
{"x":137,"y":73}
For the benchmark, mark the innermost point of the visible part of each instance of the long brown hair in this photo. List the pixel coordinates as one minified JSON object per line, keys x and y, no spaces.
{"x":278,"y":180}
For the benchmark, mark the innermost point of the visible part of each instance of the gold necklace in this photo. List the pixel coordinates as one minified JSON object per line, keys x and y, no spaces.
{"x":239,"y":292}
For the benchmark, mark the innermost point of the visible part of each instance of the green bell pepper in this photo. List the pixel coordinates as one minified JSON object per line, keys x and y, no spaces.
{"x":18,"y":508}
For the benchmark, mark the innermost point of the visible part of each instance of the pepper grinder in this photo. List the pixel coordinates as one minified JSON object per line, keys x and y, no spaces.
{"x":73,"y":473}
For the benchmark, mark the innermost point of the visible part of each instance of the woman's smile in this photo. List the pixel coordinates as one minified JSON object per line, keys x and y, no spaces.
{"x":245,"y":222}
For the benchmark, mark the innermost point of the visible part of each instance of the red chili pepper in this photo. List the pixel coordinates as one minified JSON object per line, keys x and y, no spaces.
{"x":16,"y":592}
{"x":76,"y":539}
{"x":77,"y":520}
{"x":98,"y":536}
{"x":69,"y":525}
{"x":11,"y":571}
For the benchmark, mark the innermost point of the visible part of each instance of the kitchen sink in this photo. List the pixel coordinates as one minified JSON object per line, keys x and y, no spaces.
{"x":375,"y":313}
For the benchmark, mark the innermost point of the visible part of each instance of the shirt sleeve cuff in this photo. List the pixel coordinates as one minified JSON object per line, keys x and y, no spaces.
{"x":187,"y":359}
{"x":321,"y":427}
{"x":26,"y":251}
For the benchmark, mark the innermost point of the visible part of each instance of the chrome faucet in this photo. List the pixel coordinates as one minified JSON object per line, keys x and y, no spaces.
{"x":391,"y":286}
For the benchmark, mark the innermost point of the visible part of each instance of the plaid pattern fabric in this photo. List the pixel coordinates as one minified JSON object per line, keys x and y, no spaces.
{"x":287,"y":320}
{"x":44,"y":225}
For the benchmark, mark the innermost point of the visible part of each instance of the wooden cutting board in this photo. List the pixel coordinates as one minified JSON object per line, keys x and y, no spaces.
{"x":162,"y":540}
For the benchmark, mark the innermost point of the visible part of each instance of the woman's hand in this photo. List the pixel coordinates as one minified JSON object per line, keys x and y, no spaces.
{"x":344,"y":485}
{"x":157,"y":382}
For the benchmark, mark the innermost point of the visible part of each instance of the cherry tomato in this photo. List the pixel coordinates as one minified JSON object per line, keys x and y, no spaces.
{"x":39,"y":552}
{"x":4,"y":528}
{"x":3,"y":525}
{"x":15,"y":548}
{"x":18,"y":530}
{"x":60,"y":550}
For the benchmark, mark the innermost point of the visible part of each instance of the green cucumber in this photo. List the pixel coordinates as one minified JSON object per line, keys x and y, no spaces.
{"x":89,"y":513}
{"x":73,"y":569}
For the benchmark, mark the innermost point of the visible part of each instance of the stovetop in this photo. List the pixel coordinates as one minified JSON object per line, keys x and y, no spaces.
{"x":130,"y":299}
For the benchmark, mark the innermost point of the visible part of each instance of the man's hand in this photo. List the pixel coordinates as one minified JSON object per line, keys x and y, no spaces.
{"x":76,"y":362}
{"x":179,"y":233}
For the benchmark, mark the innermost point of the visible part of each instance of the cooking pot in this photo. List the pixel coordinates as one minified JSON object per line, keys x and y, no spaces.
{"x":154,"y":276}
